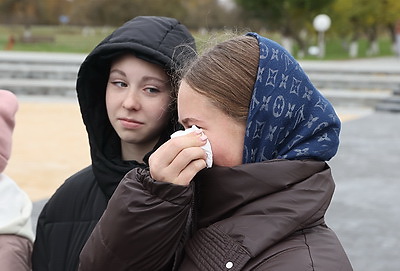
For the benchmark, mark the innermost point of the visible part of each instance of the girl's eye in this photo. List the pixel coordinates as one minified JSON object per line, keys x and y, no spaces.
{"x":120,"y":84}
{"x":152,"y":90}
{"x":191,"y":125}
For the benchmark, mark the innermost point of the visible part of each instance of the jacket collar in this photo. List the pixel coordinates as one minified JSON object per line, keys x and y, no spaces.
{"x":259,"y":203}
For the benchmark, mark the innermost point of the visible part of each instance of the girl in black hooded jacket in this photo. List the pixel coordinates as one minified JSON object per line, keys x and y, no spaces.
{"x":124,"y":88}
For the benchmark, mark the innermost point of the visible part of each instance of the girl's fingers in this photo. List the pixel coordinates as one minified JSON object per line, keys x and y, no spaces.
{"x":170,"y":149}
{"x":174,"y":156}
{"x":186,"y":156}
{"x":188,"y":173}
{"x":188,"y":160}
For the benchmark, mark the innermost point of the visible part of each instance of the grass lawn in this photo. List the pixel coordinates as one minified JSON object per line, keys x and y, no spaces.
{"x":336,"y":50}
{"x":68,"y":39}
{"x":76,"y":39}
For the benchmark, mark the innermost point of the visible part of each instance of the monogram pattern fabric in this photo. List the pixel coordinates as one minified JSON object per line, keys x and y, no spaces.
{"x":288,"y":117}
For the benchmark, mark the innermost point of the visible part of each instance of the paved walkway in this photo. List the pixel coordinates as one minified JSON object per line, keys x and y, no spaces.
{"x":49,"y":144}
{"x":365,"y":210}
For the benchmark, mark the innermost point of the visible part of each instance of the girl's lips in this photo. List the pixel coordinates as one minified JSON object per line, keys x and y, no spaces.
{"x":130,"y":124}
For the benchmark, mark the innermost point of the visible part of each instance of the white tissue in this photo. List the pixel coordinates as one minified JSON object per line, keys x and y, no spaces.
{"x":206,"y":147}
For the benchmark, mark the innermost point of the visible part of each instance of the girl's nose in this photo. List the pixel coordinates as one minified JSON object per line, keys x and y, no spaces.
{"x":131,"y":101}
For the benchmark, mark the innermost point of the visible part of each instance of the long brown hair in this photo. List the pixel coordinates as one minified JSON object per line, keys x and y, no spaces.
{"x":226,"y":74}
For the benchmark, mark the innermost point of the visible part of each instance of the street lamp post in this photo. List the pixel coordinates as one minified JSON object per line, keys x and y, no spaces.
{"x":321,"y":23}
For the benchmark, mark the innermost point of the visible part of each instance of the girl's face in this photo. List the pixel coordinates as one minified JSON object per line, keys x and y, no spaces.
{"x":225,"y":134}
{"x":137,"y":100}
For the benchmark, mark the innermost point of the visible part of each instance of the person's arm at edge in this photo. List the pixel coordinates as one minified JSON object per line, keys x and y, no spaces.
{"x":39,"y":256}
{"x":141,"y":227}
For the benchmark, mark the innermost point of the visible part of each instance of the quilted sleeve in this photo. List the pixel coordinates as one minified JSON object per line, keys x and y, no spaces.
{"x":141,"y":227}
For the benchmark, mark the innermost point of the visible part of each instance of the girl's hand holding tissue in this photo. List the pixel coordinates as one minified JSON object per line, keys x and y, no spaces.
{"x":181,"y":158}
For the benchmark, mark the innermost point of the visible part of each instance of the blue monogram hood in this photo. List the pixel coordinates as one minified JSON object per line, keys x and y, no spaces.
{"x":288,"y":117}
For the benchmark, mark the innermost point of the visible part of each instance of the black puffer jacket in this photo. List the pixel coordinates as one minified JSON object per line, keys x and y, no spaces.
{"x":72,"y":212}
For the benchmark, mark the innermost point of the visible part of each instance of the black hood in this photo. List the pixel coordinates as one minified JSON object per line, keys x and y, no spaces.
{"x":160,"y":40}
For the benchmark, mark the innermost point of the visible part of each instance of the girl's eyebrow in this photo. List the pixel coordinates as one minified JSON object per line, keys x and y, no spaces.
{"x":186,"y":121}
{"x":118,"y":71}
{"x":149,"y":78}
{"x":144,"y":79}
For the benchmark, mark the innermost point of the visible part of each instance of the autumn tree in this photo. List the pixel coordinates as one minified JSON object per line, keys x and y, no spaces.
{"x":116,"y":12}
{"x":19,"y":11}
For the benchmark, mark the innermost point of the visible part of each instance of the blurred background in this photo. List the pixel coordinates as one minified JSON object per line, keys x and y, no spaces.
{"x":349,"y":48}
{"x":359,"y":27}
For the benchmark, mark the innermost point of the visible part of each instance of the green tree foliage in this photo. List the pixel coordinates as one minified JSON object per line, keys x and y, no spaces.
{"x":354,"y":19}
{"x":288,"y":17}
{"x":392,"y":16}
